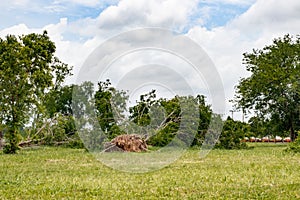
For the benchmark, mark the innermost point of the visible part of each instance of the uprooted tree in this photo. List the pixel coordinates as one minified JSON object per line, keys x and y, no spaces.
{"x":128,"y":143}
{"x":28,"y":70}
{"x":157,"y":122}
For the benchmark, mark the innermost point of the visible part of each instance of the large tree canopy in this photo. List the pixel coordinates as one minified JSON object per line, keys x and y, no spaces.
{"x":273,"y":89}
{"x":28,"y":69}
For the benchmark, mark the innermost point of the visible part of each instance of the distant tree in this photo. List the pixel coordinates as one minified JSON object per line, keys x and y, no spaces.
{"x":170,"y":122}
{"x":163,"y":117}
{"x":85,"y":115}
{"x":271,"y":126}
{"x":232,"y":134}
{"x":258,"y":127}
{"x":110,"y":104}
{"x":205,"y":115}
{"x":28,"y":69}
{"x":59,"y":101}
{"x":273,"y":89}
{"x":140,"y":113}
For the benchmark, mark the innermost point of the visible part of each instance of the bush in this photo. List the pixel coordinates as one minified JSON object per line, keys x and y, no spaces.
{"x":233,"y":132}
{"x":230,"y":140}
{"x":294,"y":147}
{"x":75,"y":144}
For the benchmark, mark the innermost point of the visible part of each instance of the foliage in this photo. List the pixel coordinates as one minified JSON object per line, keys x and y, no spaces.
{"x":83,"y":109}
{"x":110,"y":104}
{"x":164,"y":136}
{"x":168,"y":118}
{"x":260,"y":127}
{"x":56,"y":125}
{"x":294,"y":147}
{"x":59,"y":101}
{"x":273,"y":89}
{"x":205,"y":115}
{"x":140,"y":113}
{"x":28,"y":69}
{"x":60,"y":129}
{"x":169,"y":126}
{"x":232,"y":134}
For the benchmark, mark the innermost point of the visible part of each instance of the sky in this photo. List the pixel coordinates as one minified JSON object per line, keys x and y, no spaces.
{"x":224,"y":29}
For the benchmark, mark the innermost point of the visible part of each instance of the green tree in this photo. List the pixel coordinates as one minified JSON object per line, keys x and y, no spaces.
{"x":59,"y":101}
{"x":85,"y":115}
{"x":232,"y":134}
{"x":273,"y":89}
{"x":140,"y":113}
{"x":163,"y":119}
{"x":205,"y":115}
{"x":169,"y":123}
{"x":28,"y":69}
{"x":110,"y":104}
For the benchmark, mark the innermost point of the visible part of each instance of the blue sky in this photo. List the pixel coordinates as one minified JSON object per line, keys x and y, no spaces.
{"x":225,"y":29}
{"x":43,"y":12}
{"x":218,"y":13}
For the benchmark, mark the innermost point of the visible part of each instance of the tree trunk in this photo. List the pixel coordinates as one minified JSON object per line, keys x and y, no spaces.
{"x":293,"y":134}
{"x":1,"y":137}
{"x":12,"y":142}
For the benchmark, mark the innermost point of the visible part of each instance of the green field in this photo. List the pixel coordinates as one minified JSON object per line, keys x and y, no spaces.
{"x":265,"y":172}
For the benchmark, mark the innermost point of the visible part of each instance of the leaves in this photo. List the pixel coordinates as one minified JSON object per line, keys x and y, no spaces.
{"x":28,"y":69}
{"x":273,"y":87}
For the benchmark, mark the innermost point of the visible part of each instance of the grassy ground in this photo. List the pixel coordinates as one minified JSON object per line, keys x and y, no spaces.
{"x":265,"y":172}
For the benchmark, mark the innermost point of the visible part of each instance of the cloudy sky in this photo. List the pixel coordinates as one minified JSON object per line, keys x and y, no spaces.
{"x":225,"y":29}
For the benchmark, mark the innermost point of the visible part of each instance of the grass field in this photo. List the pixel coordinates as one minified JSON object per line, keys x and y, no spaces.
{"x":265,"y":172}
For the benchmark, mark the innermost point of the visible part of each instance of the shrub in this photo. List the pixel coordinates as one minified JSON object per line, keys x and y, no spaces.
{"x":294,"y":147}
{"x":75,"y":144}
{"x":233,"y":132}
{"x":230,"y":140}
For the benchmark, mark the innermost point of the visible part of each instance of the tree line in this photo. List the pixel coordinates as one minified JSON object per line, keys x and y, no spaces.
{"x":37,"y":108}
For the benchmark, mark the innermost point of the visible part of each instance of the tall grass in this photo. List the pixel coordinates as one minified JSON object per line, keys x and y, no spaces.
{"x":265,"y":172}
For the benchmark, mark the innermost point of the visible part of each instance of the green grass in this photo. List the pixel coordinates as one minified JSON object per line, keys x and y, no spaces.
{"x":264,"y":172}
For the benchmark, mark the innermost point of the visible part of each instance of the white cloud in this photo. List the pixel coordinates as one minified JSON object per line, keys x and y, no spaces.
{"x":255,"y":28}
{"x":20,"y":2}
{"x":15,"y":30}
{"x":270,"y":16}
{"x":234,"y":2}
{"x":87,"y":3}
{"x":143,"y":13}
{"x":90,"y":3}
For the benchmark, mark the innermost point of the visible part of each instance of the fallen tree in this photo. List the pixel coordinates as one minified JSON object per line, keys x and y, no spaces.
{"x":126,"y":143}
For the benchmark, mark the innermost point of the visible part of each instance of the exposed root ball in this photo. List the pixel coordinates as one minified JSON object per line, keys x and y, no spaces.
{"x":128,"y":143}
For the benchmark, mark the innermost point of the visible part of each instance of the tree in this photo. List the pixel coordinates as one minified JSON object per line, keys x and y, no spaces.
{"x":140,"y":113}
{"x":59,"y":101}
{"x":58,"y":108}
{"x":258,"y":127}
{"x":273,"y":89}
{"x":205,"y":115}
{"x":83,"y":110}
{"x":28,"y":69}
{"x":169,"y":122}
{"x":232,"y":134}
{"x":110,"y":104}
